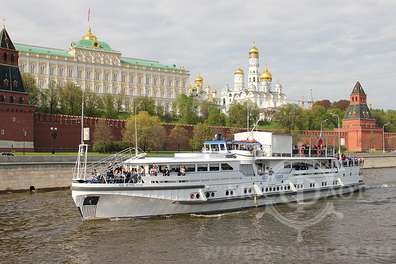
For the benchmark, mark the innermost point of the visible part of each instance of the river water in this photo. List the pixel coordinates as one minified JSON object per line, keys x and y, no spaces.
{"x":45,"y":227}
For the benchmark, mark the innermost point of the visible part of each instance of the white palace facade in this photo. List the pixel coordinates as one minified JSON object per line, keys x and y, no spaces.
{"x":259,"y":90}
{"x":95,"y":66}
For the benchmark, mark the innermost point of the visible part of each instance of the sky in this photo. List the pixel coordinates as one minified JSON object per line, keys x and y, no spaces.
{"x":323,"y":46}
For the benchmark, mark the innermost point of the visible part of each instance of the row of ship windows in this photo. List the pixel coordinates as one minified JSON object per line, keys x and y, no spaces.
{"x":106,"y":76}
{"x":267,"y":189}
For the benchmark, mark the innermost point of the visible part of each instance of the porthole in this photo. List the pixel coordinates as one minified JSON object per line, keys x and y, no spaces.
{"x":227,"y":192}
{"x":277,"y":188}
{"x":212,"y":194}
{"x":232,"y":192}
{"x":197,"y":196}
{"x":207,"y":194}
{"x":250,"y":190}
{"x":266,"y":189}
{"x":245,"y":190}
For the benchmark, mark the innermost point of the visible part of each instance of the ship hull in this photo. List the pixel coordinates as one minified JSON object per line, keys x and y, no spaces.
{"x":124,"y":203}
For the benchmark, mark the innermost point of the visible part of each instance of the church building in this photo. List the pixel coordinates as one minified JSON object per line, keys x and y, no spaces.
{"x":259,"y":89}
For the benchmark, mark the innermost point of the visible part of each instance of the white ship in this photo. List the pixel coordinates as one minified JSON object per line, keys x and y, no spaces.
{"x":254,"y":169}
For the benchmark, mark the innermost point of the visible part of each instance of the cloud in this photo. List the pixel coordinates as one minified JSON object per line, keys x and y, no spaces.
{"x":323,"y":46}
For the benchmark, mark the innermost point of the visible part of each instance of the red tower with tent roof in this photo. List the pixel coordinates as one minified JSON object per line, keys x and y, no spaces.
{"x":16,"y":115}
{"x":362,"y":133}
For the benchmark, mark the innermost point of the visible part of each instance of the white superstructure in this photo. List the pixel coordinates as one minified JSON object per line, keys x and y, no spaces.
{"x":255,"y":169}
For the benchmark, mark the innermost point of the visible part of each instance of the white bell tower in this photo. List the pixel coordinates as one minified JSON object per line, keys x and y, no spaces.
{"x":253,"y":75}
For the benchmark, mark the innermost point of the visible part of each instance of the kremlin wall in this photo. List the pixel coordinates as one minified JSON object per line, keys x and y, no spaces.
{"x":23,"y":129}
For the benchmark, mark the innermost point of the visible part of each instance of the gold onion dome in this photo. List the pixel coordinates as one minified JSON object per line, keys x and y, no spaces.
{"x":266,"y":75}
{"x":238,"y":71}
{"x":89,"y":35}
{"x":199,"y":79}
{"x":253,"y":52}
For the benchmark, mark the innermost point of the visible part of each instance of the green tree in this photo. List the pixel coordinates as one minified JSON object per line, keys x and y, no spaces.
{"x":201,"y":132}
{"x":29,"y":83}
{"x":93,"y":104}
{"x":289,"y":116}
{"x":180,"y":138}
{"x":238,"y":114}
{"x":144,"y":103}
{"x":150,"y":133}
{"x":186,"y":108}
{"x":70,"y":97}
{"x":215,"y":117}
{"x":109,"y":107}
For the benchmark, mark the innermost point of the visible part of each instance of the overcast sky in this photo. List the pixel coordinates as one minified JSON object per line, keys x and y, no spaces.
{"x":324,"y":45}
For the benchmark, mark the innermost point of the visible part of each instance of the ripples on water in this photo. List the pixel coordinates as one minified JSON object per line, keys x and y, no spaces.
{"x":45,"y":228}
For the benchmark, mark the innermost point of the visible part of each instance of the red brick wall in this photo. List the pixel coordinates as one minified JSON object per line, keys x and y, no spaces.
{"x":16,"y":121}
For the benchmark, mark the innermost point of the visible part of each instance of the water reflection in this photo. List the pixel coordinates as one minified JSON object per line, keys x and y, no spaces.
{"x":46,"y":228}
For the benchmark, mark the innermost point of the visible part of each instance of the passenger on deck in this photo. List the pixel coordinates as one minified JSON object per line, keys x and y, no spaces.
{"x":166,"y":172}
{"x":182,"y":171}
{"x":141,"y":171}
{"x":154,"y":170}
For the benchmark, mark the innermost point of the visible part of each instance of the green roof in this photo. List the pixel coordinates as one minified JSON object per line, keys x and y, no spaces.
{"x":91,"y":44}
{"x":41,"y":50}
{"x":146,"y":63}
{"x":87,"y":44}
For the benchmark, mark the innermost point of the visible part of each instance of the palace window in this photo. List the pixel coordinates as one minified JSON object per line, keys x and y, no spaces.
{"x":130,"y":78}
{"x":162,"y":81}
{"x":170,"y":83}
{"x":97,"y":76}
{"x":60,"y":71}
{"x":105,"y":89}
{"x":51,"y":70}
{"x":123,"y":77}
{"x":106,"y":76}
{"x":88,"y":75}
{"x":79,"y":73}
{"x":32,"y":68}
{"x":42,"y":69}
{"x":69,"y":72}
{"x":147,"y":79}
{"x":23,"y":67}
{"x":177,"y":82}
{"x":115,"y":76}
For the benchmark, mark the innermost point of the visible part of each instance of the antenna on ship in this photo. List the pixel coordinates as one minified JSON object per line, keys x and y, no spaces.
{"x":82,"y":118}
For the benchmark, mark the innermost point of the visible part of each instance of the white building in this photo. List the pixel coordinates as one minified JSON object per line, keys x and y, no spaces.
{"x":259,"y":89}
{"x":95,"y":66}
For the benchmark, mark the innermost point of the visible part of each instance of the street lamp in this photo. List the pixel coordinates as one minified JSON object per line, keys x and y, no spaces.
{"x":321,"y":126}
{"x":383,"y":136}
{"x":54,"y":134}
{"x":24,"y":141}
{"x":339,"y":135}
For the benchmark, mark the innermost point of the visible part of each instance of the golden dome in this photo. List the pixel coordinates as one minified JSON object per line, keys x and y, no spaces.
{"x":238,"y":71}
{"x":199,"y":78}
{"x":89,"y":35}
{"x":253,"y":52}
{"x":198,"y":81}
{"x":266,"y":75}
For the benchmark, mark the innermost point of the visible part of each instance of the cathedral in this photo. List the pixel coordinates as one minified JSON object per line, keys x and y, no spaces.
{"x":259,"y":90}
